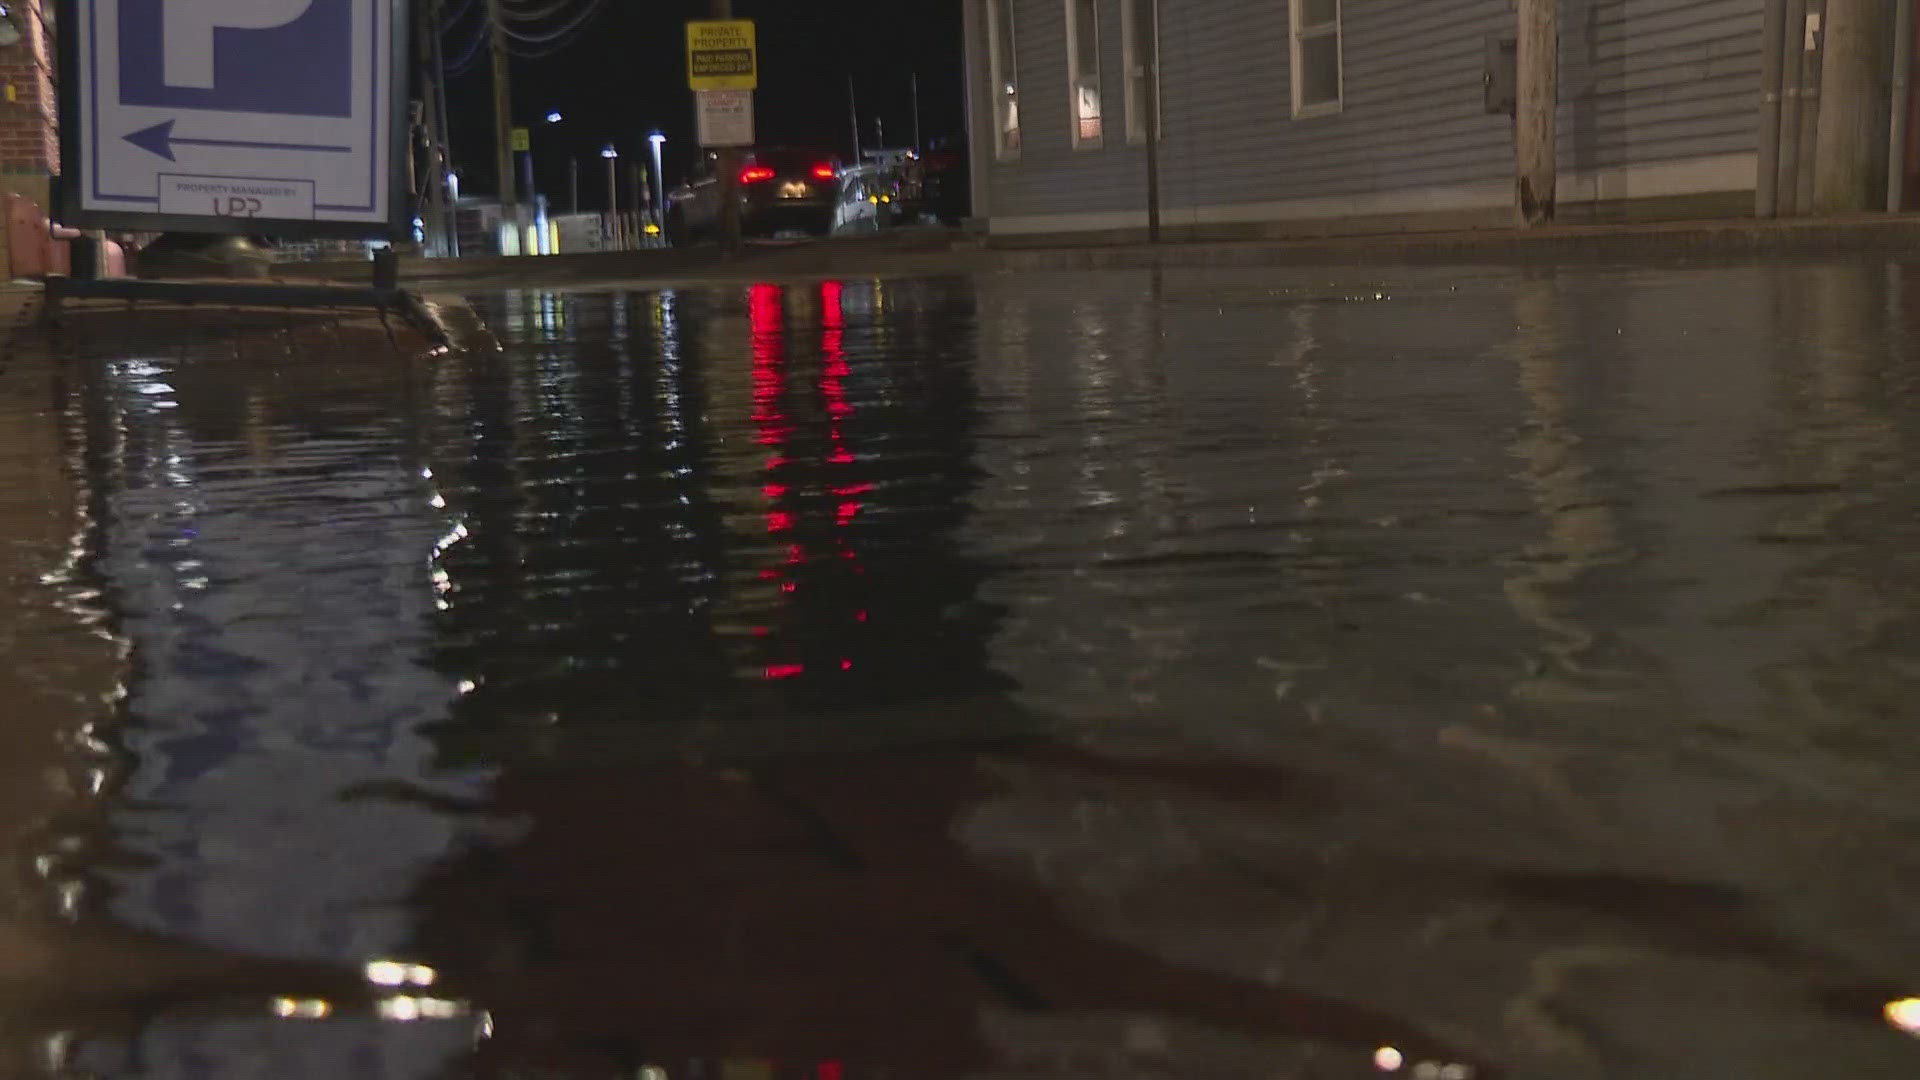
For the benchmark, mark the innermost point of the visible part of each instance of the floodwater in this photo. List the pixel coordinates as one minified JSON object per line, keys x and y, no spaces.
{"x":1267,"y":675}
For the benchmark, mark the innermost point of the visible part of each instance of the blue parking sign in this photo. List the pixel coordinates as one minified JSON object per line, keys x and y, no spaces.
{"x":263,"y":56}
{"x":250,"y":116}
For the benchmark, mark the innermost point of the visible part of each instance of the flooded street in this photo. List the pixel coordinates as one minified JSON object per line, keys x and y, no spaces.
{"x":1250,"y":674}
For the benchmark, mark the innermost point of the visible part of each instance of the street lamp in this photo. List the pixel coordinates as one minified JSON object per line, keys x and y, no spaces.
{"x":527,"y":170}
{"x":613,"y":178}
{"x":656,"y":141}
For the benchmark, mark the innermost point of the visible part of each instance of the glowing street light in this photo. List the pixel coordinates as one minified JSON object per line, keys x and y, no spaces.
{"x":613,"y":178}
{"x":656,"y":141}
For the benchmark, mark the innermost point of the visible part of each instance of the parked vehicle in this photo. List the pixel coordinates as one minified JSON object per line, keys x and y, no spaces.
{"x":869,"y":200}
{"x":781,"y":190}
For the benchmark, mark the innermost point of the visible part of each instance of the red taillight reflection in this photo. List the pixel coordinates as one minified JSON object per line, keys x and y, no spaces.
{"x":756,"y":174}
{"x":823,"y":171}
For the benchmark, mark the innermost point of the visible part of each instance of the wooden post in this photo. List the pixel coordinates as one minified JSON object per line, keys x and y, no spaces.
{"x":729,"y":164}
{"x":1539,"y":100}
{"x":503,"y":116}
{"x":1854,"y":103}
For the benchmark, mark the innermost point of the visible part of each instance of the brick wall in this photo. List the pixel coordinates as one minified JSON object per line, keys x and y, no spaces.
{"x":29,"y":143}
{"x":29,"y":138}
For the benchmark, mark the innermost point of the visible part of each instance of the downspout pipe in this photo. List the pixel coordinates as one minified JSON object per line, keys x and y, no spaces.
{"x":1787,"y":168}
{"x":1902,"y":80}
{"x":1766,"y":200}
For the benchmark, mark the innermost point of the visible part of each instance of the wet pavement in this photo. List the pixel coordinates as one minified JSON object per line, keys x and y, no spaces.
{"x":1192,"y":674}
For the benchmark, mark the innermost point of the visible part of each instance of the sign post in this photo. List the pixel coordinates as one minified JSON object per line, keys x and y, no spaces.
{"x":281,"y":118}
{"x":723,"y":70}
{"x":254,"y":117}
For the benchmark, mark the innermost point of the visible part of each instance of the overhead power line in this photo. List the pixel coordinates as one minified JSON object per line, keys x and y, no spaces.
{"x":528,"y":43}
{"x":447,"y":22}
{"x":466,"y":56}
{"x":517,"y":13}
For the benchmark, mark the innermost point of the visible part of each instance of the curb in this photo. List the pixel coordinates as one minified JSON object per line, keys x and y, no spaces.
{"x":1665,"y":242}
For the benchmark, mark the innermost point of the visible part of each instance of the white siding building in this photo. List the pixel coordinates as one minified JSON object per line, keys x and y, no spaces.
{"x":1288,"y":115}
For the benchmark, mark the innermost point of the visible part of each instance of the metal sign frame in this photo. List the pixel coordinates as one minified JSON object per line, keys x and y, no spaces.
{"x":69,"y":209}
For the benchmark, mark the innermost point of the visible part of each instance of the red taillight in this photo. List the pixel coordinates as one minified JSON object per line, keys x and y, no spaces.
{"x":823,"y":171}
{"x":756,"y":174}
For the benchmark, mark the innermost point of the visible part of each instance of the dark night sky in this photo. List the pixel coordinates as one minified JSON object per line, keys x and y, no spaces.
{"x":627,"y":74}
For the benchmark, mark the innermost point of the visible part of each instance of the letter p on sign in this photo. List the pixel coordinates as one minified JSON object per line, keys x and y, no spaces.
{"x":258,"y":56}
{"x":188,"y":26}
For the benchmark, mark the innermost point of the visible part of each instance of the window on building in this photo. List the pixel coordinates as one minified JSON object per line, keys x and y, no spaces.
{"x":1083,"y":71}
{"x":1316,"y":57}
{"x":1140,"y":41}
{"x":1006,"y":79}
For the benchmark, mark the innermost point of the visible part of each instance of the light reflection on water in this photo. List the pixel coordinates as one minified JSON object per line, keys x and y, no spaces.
{"x":1214,"y":673}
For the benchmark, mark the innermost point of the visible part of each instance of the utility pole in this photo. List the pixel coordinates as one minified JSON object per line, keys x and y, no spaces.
{"x":1539,"y":100}
{"x":1854,"y":107}
{"x":434,"y":212}
{"x":451,"y":224}
{"x":729,"y":163}
{"x":573,"y":185}
{"x":503,"y":117}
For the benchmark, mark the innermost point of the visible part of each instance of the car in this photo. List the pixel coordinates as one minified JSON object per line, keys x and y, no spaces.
{"x":782,"y":189}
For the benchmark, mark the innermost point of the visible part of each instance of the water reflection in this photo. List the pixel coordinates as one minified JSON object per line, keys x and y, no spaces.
{"x":661,"y":524}
{"x":1201,"y":673}
{"x":277,"y":667}
{"x":769,"y":567}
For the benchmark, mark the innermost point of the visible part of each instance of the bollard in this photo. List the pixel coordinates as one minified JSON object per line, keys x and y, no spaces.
{"x":386,"y":269}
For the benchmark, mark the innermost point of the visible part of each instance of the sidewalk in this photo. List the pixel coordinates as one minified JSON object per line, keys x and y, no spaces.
{"x":932,"y":253}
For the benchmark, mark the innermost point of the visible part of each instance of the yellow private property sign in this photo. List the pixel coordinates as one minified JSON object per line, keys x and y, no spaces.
{"x":721,"y":55}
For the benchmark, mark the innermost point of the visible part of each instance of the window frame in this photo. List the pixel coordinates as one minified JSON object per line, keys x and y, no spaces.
{"x":1136,"y":85}
{"x":1298,"y":32}
{"x":1076,"y":68}
{"x":1002,"y":70}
